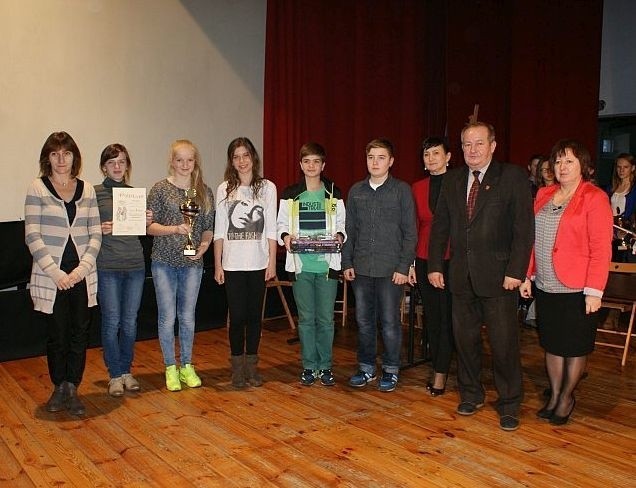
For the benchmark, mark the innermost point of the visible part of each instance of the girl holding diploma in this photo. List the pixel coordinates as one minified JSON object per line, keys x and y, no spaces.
{"x":121,"y":272}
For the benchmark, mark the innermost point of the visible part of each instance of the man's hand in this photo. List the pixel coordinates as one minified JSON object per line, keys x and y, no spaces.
{"x":399,"y":279}
{"x":349,"y":274}
{"x":436,"y":279}
{"x":511,"y":283}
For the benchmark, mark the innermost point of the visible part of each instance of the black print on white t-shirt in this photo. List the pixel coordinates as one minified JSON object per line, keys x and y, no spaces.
{"x":246,"y":221}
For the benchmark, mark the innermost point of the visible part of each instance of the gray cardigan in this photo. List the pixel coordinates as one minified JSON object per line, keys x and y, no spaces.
{"x":47,"y":231}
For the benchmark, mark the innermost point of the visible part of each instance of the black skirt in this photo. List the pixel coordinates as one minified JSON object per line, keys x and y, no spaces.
{"x":564,"y":327}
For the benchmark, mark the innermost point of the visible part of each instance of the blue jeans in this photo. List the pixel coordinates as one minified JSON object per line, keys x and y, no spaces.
{"x":177,"y":290}
{"x":119,"y":294}
{"x":378,"y":298}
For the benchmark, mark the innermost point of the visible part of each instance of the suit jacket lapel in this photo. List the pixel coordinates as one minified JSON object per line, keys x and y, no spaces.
{"x":488,"y":183}
{"x":461,"y":185}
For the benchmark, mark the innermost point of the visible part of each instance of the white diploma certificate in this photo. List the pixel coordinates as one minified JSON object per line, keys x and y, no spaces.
{"x":129,"y":211}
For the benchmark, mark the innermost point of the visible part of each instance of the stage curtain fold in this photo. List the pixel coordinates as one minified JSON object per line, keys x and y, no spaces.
{"x":342,"y":73}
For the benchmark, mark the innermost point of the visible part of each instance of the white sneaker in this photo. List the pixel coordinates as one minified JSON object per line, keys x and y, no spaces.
{"x":116,"y":387}
{"x":130,"y":382}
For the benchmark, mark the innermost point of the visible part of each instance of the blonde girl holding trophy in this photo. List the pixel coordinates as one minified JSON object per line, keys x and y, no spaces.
{"x":176,"y":273}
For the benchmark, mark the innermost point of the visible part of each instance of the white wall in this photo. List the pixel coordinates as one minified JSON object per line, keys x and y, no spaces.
{"x":618,"y":58}
{"x":139,"y":72}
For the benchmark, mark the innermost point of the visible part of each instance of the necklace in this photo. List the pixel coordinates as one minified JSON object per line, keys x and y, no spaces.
{"x":63,"y":184}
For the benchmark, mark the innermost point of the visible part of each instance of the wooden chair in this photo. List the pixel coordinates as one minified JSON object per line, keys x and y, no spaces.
{"x":278,"y":284}
{"x":409,"y":293}
{"x":620,"y":294}
{"x":341,"y":306}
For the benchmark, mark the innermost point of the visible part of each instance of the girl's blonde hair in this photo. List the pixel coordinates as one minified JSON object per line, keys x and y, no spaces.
{"x":196,"y":178}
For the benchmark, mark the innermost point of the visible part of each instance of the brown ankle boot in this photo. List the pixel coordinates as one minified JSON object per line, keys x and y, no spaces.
{"x":251,"y":375}
{"x":238,"y":371}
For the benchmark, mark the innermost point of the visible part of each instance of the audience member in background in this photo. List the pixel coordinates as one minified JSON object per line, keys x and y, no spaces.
{"x":244,"y":253}
{"x":534,"y":161}
{"x":569,"y":265}
{"x":177,"y":277}
{"x":313,"y":207}
{"x":485,"y":210}
{"x":121,"y":270}
{"x":436,"y":301}
{"x":545,"y":174}
{"x":622,"y":193}
{"x":544,"y":177}
{"x":380,"y":247}
{"x":62,"y":231}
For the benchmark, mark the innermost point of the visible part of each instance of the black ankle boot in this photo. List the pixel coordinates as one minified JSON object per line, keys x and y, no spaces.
{"x":57,"y":402}
{"x":73,"y":403}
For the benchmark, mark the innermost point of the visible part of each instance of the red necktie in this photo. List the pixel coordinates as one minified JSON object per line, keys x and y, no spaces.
{"x":472,"y":195}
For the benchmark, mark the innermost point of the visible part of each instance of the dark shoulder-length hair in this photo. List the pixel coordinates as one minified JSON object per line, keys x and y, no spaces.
{"x":578,"y":149}
{"x":56,"y":142}
{"x":111,"y":152}
{"x":231,"y":174}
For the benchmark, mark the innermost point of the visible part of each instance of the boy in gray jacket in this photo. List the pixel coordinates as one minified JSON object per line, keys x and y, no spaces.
{"x":380,"y":248}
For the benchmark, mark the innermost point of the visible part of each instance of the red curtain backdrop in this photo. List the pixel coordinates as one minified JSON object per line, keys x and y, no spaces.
{"x":343,"y":72}
{"x":556,"y":69}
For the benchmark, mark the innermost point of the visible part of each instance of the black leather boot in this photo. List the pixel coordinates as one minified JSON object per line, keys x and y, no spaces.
{"x":57,"y":402}
{"x":73,"y":403}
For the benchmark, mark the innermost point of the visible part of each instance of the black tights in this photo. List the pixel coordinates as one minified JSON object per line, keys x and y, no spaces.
{"x":245,"y":292}
{"x":564,"y":374}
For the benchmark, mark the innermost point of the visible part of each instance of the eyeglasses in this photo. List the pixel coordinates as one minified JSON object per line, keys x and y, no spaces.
{"x":242,"y":157}
{"x":111,"y":163}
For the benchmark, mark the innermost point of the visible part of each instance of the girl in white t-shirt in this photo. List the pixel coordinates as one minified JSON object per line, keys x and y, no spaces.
{"x":245,"y":253}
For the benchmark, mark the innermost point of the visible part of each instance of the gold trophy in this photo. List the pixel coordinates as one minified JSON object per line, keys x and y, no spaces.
{"x":190,"y":209}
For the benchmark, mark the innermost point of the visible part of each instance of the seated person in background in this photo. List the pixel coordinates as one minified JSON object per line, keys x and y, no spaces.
{"x":622,"y":193}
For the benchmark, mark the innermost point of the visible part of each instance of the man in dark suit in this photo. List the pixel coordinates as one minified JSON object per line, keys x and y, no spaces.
{"x":485,"y":211}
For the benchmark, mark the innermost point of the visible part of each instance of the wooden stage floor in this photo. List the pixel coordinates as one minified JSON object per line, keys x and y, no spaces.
{"x":284,"y":434}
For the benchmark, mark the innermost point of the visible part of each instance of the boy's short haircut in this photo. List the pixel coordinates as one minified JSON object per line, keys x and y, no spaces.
{"x":313,"y":149}
{"x":381,"y":142}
